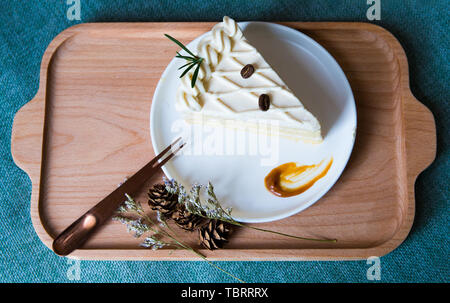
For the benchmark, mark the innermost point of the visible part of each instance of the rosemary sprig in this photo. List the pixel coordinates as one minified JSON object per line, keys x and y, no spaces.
{"x":160,"y":230}
{"x":213,"y":210}
{"x":192,"y":61}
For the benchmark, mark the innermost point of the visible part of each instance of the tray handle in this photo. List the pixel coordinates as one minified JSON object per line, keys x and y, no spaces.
{"x":26,"y":136}
{"x":420,"y":131}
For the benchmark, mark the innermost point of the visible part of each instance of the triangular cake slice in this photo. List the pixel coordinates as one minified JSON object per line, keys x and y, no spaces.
{"x":221,"y":93}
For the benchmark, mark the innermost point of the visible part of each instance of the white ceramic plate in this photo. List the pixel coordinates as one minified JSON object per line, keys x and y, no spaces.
{"x":315,"y":78}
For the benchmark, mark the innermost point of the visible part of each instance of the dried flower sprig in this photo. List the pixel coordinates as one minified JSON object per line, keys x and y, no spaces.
{"x":192,"y":61}
{"x":135,"y":226}
{"x":212,"y":209}
{"x":141,"y":223}
{"x":153,"y":243}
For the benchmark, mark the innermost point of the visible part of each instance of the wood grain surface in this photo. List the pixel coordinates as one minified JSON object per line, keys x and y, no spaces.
{"x":87,"y":128}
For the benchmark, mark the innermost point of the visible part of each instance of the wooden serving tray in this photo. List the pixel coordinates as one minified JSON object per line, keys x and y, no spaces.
{"x":87,"y":128}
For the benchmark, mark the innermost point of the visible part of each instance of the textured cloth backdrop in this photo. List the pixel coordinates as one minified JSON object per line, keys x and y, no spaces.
{"x":27,"y":27}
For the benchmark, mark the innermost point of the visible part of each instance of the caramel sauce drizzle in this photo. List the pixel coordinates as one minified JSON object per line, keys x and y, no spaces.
{"x":284,"y":174}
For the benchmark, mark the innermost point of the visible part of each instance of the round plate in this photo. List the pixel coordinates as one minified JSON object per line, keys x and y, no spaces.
{"x":238,"y":178}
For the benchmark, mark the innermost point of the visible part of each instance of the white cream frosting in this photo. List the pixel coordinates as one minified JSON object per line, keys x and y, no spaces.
{"x":221,"y":92}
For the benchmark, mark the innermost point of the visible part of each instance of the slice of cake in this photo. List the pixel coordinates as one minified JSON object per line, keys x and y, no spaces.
{"x":236,"y":84}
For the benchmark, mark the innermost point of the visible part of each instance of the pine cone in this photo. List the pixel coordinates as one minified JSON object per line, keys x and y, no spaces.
{"x":161,"y":200}
{"x":186,"y":220}
{"x":214,"y":234}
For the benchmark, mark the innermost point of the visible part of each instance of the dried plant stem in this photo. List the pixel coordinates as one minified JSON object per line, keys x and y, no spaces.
{"x":270,"y":231}
{"x":165,"y":233}
{"x":282,"y":234}
{"x":182,"y":244}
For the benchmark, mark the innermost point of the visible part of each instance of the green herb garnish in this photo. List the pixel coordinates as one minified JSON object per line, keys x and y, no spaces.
{"x":192,"y":60}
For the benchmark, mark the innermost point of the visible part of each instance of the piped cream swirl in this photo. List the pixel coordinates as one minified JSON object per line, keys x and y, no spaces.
{"x":209,"y":48}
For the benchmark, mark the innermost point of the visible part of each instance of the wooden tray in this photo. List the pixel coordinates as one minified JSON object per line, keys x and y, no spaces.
{"x":87,"y":128}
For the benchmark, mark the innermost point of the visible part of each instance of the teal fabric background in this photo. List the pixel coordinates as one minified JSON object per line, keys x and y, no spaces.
{"x":422,"y":27}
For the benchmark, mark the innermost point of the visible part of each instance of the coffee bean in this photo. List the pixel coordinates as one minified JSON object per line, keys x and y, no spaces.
{"x":264,"y":102}
{"x":247,"y":71}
